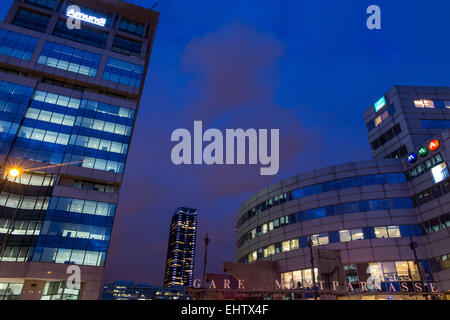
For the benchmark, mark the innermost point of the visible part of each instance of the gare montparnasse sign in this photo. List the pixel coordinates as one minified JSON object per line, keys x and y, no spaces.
{"x":363,"y":286}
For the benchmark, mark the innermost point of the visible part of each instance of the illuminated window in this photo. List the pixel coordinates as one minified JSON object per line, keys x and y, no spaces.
{"x":294,"y":244}
{"x":381,"y":232}
{"x":357,"y":234}
{"x":345,"y":235}
{"x":286,"y":246}
{"x":424,"y":103}
{"x":394,"y":232}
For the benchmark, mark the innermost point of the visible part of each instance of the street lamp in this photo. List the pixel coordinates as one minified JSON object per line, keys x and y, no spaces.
{"x":413,"y":245}
{"x":310,"y":245}
{"x":13,"y":172}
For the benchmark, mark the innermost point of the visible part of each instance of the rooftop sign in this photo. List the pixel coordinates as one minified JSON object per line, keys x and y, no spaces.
{"x":74,"y":12}
{"x":380,"y":104}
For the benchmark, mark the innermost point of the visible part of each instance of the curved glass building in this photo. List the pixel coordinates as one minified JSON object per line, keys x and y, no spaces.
{"x":384,"y":221}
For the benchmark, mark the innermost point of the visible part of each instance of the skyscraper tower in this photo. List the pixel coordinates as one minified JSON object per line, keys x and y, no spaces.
{"x":71,"y":79}
{"x":181,"y":249}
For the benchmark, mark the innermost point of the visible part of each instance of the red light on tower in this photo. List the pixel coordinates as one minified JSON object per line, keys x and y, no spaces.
{"x":434,"y":145}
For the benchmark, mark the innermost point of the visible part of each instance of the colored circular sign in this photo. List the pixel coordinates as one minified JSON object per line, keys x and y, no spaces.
{"x":433,"y":145}
{"x":412,"y":158}
{"x":423,"y":152}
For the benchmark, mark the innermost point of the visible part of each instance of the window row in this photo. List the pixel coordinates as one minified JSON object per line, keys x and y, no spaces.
{"x":383,"y":116}
{"x":399,"y":153}
{"x":105,"y":126}
{"x":52,"y":117}
{"x":10,"y":291}
{"x":107,"y":109}
{"x":340,"y":184}
{"x":385,"y":137}
{"x":431,"y":104}
{"x":70,"y":59}
{"x":21,"y":227}
{"x":98,"y":144}
{"x":436,"y":224}
{"x":435,"y":124}
{"x":75,"y":230}
{"x":48,"y":4}
{"x":56,"y":99}
{"x":86,"y":35}
{"x":44,"y":135}
{"x":131,"y":27}
{"x":82,"y":206}
{"x":382,"y":232}
{"x":424,"y":167}
{"x":74,"y":103}
{"x":85,"y":185}
{"x":318,"y":213}
{"x":355,"y":273}
{"x":127,"y":46}
{"x":11,"y":200}
{"x":31,"y":20}
{"x":72,"y":256}
{"x":126,"y":73}
{"x":432,"y":193}
{"x":20,"y":46}
{"x":32,"y":179}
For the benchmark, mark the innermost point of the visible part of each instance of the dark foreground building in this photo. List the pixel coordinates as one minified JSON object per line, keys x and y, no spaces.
{"x":71,"y":79}
{"x":128,"y":290}
{"x":379,"y":228}
{"x":181,"y":249}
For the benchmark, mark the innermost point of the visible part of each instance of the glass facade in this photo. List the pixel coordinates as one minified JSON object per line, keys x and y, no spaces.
{"x":126,"y":73}
{"x":340,"y":184}
{"x":54,"y":211}
{"x":70,"y":59}
{"x":435,"y":124}
{"x":131,"y":27}
{"x":47,"y":4}
{"x":59,"y":129}
{"x":17,"y":45}
{"x":127,"y":46}
{"x":86,"y":35}
{"x":31,"y":20}
{"x":10,"y":291}
{"x":318,"y":213}
{"x":383,"y":232}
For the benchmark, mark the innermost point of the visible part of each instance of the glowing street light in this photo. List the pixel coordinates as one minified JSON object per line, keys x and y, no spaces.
{"x":14,"y":172}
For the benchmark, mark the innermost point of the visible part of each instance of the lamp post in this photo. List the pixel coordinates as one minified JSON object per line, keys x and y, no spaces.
{"x":13,"y":172}
{"x":205,"y":260}
{"x":312,"y":266}
{"x":413,"y":245}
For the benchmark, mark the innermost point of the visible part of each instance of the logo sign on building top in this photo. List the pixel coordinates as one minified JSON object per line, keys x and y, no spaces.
{"x":380,"y":104}
{"x":74,"y":12}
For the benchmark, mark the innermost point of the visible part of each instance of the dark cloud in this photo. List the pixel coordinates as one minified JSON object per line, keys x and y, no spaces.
{"x":233,"y":79}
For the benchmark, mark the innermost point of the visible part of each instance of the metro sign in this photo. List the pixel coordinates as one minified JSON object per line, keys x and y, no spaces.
{"x":434,"y":145}
{"x":412,"y":158}
{"x":85,"y":17}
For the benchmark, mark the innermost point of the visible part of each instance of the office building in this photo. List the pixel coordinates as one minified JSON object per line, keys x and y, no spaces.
{"x":181,"y":248}
{"x":71,"y":79}
{"x":373,"y":217}
{"x":128,"y":290}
